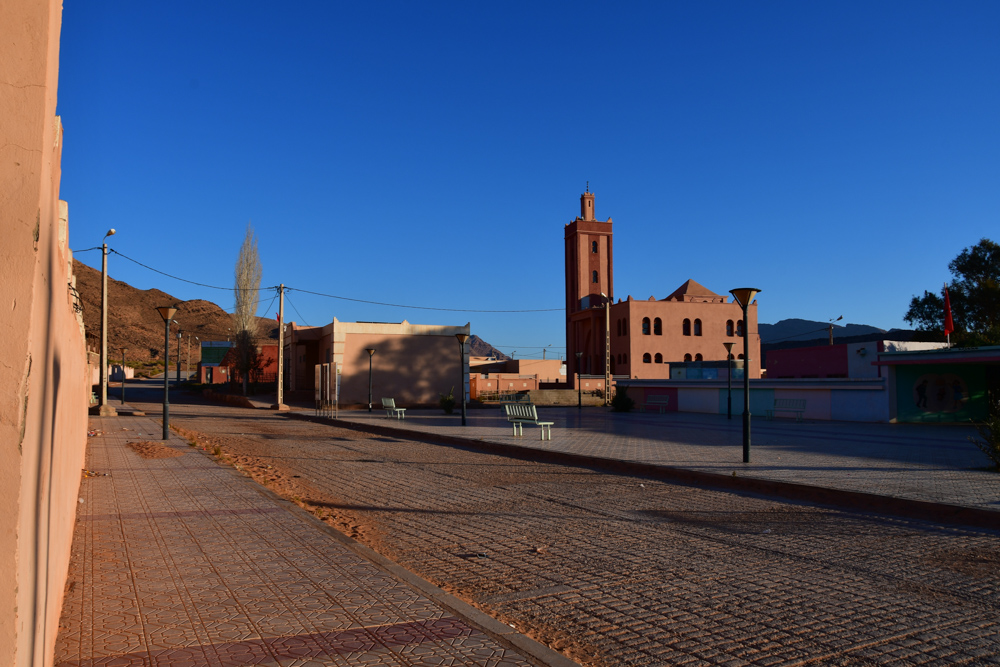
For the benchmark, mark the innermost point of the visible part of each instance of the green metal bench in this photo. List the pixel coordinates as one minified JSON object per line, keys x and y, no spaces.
{"x":389,"y":405}
{"x":519,"y":414}
{"x":796,"y":405}
{"x":658,"y":402}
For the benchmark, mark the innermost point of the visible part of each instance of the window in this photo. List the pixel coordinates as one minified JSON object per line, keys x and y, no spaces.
{"x":687,"y":357}
{"x":729,"y":328}
{"x":739,"y":328}
{"x":686,"y":328}
{"x":731,"y":357}
{"x":658,"y":358}
{"x":698,"y":357}
{"x":593,"y":247}
{"x":645,"y":326}
{"x":595,"y":278}
{"x":657,"y":327}
{"x":697,"y":327}
{"x":740,"y":356}
{"x":647,"y":359}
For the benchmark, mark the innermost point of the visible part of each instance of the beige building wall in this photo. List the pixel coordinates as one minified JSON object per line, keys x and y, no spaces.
{"x":43,"y":402}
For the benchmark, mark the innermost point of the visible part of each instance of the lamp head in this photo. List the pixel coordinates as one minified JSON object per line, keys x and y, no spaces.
{"x":166,"y":312}
{"x":579,"y":354}
{"x":111,"y":232}
{"x":728,"y":346}
{"x":370,"y":351}
{"x":744,"y":295}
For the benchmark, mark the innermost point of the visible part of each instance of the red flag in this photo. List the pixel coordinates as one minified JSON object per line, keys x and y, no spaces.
{"x":278,"y":315}
{"x":949,"y":324}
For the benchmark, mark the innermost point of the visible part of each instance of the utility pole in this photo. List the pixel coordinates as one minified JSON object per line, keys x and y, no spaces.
{"x":280,"y":405}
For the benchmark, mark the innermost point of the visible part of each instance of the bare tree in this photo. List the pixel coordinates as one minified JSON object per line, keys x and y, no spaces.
{"x":247,"y":292}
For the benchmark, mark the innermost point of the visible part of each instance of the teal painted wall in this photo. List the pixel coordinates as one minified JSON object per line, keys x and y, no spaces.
{"x":940,"y":393}
{"x":761,"y":400}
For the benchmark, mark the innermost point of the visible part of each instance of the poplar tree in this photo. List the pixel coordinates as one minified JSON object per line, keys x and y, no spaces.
{"x":247,"y":294}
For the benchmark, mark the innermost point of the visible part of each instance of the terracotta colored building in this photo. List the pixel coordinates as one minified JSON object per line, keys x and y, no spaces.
{"x":690,"y":324}
{"x":43,"y":359}
{"x":413,"y":363}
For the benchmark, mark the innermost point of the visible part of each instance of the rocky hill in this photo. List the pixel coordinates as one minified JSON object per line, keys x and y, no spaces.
{"x":134,"y":323}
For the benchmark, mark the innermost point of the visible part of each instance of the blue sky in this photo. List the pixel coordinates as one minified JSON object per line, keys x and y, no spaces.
{"x":835,"y":155}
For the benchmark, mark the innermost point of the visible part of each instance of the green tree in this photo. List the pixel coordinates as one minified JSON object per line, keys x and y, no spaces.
{"x":974,"y":294}
{"x":247,"y":293}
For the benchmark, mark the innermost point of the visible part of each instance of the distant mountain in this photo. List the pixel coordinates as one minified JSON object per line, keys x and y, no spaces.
{"x":480,"y":348}
{"x":800,"y":330}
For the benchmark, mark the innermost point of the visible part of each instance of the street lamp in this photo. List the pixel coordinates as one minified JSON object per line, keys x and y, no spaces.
{"x":744,"y":297}
{"x":180,"y":335}
{"x":167,"y":313}
{"x":579,"y":385}
{"x":462,"y":337}
{"x":105,"y":410}
{"x":729,"y":381}
{"x":371,"y":353}
{"x":831,"y":327}
{"x":124,"y":350}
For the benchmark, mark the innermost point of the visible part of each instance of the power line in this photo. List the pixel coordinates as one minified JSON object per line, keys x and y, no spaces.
{"x":183,"y":280}
{"x":400,"y":305}
{"x":294,"y":308}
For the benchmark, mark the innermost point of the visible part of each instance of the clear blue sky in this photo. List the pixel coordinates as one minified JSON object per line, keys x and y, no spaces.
{"x":836,"y":155}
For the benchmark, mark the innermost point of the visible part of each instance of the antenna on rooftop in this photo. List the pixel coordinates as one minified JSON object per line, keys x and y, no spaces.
{"x":588,"y":186}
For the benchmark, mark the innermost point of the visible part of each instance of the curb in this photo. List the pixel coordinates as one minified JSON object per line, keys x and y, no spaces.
{"x":857,"y":501}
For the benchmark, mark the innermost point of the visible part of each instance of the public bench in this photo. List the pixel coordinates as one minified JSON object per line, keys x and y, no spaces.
{"x":658,"y":402}
{"x":389,"y":405}
{"x":519,"y":414}
{"x":796,"y":405}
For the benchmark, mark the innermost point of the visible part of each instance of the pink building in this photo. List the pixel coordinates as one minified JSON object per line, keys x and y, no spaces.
{"x":413,"y":363}
{"x":690,"y":324}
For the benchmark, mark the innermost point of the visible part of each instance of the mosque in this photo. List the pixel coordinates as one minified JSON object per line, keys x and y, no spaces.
{"x":640,"y":339}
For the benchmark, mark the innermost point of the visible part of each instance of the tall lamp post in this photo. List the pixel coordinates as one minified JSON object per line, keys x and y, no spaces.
{"x":105,"y":410}
{"x":744,"y":297}
{"x":462,"y":337}
{"x":729,"y":379}
{"x":371,"y":353}
{"x":579,"y":384}
{"x":124,"y":350}
{"x":167,"y":313}
{"x":180,"y":335}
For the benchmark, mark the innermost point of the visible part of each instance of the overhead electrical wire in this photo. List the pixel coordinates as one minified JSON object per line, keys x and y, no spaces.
{"x":400,"y":305}
{"x":294,"y":308}
{"x":183,"y":280}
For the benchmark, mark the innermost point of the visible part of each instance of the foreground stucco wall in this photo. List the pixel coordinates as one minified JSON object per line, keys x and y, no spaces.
{"x":43,"y":384}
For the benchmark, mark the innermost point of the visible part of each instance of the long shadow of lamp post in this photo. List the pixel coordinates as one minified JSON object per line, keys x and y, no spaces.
{"x":167,"y":313}
{"x":729,"y":381}
{"x":180,"y":335}
{"x":371,"y":353}
{"x":462,"y":337}
{"x":744,"y":297}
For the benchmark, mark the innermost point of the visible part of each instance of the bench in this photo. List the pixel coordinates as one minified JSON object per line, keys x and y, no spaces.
{"x":520,"y":413}
{"x":659,"y":402}
{"x":389,"y":405}
{"x":796,"y":405}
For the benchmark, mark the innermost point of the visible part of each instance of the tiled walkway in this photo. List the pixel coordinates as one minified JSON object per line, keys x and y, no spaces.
{"x":935,"y":464}
{"x":179,"y":561}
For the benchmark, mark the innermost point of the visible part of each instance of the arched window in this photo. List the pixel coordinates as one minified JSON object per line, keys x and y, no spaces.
{"x":647,"y":359}
{"x":698,"y":357}
{"x":697,"y":327}
{"x":740,"y":356}
{"x":687,"y":357}
{"x":593,"y":247}
{"x":645,"y":326}
{"x":658,"y":327}
{"x":658,"y":358}
{"x":739,"y":328}
{"x":731,"y":357}
{"x":729,"y":328}
{"x":595,"y":277}
{"x":686,"y":328}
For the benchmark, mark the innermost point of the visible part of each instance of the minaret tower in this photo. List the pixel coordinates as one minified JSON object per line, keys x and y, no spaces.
{"x":589,"y":283}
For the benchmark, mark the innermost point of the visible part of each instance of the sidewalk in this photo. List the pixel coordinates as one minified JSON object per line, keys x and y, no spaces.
{"x":180,"y":561}
{"x":934,"y":467}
